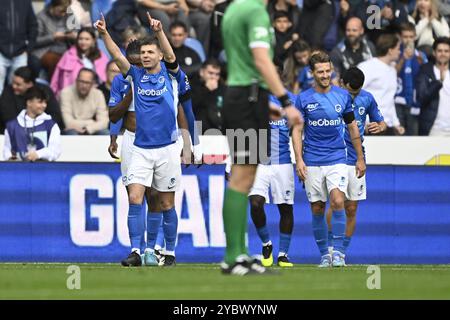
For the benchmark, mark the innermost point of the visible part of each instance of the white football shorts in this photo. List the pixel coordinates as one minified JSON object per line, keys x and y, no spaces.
{"x":280,"y":179}
{"x":320,"y":180}
{"x":159,"y":168}
{"x":356,"y":189}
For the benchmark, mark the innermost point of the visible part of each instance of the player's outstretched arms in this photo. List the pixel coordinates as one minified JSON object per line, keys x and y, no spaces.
{"x":357,"y":145}
{"x":118,"y":112}
{"x":169,"y":55}
{"x":267,"y":69}
{"x":111,"y":46}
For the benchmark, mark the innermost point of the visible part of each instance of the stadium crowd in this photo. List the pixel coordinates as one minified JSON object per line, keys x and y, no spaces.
{"x":58,"y":51}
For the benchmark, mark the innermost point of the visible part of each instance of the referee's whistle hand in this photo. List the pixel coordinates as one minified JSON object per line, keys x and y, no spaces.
{"x":293,"y":115}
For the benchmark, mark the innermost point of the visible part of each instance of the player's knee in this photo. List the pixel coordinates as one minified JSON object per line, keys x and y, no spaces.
{"x":166,"y":205}
{"x":318,"y":207}
{"x":257,"y":202}
{"x":350,"y":213}
{"x":286,"y":210}
{"x":135,"y":198}
{"x":337,"y":203}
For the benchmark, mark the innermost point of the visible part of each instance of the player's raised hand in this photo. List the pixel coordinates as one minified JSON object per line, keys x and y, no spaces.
{"x":360,"y":168}
{"x":100,"y":25}
{"x":301,"y":169}
{"x":156,"y":25}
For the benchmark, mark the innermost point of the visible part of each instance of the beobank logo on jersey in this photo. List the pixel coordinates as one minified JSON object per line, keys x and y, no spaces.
{"x":152,"y":92}
{"x":324,"y":122}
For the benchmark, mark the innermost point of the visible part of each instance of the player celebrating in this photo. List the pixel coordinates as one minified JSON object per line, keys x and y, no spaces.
{"x":364,"y":105}
{"x":279,"y":176}
{"x":155,"y":160}
{"x":321,"y":158}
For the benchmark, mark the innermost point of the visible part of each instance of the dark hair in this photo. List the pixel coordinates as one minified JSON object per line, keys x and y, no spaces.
{"x":139,"y":31}
{"x":211,"y":62}
{"x":56,"y":3}
{"x":133,"y":48}
{"x":385,"y":42}
{"x":300,"y":46}
{"x":318,"y":57}
{"x":149,"y":41}
{"x":25,"y":73}
{"x":94,"y":53}
{"x":353,"y":77}
{"x":407,"y":26}
{"x":441,"y":40}
{"x":94,"y":74}
{"x":36,"y":93}
{"x":281,"y":14}
{"x":178,"y":24}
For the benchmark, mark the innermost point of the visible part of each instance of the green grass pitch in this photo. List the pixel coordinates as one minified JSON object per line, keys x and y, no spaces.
{"x":204,"y":281}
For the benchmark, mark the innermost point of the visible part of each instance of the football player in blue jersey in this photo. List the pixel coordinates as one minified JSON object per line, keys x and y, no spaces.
{"x":364,"y":105}
{"x":155,"y":161}
{"x":278,"y":175}
{"x":321,"y":158}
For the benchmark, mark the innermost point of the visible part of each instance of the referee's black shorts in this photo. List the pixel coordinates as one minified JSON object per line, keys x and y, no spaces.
{"x":251,"y":144}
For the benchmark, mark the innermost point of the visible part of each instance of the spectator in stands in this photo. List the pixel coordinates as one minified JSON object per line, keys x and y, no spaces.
{"x":284,"y":37}
{"x":444,"y":9}
{"x":319,"y":23}
{"x":407,"y":69}
{"x":166,"y":11}
{"x":112,"y":70}
{"x":433,"y":92}
{"x":12,"y":100}
{"x":392,"y":15}
{"x":200,"y":16}
{"x":188,"y":59}
{"x":32,"y":135}
{"x":84,"y":54}
{"x":83,"y":106}
{"x":207,"y":95}
{"x":353,"y":49}
{"x":296,"y":61}
{"x":381,"y":79}
{"x":81,"y":11}
{"x":289,"y":6}
{"x":18,"y":30}
{"x":54,"y":37}
{"x":429,"y":24}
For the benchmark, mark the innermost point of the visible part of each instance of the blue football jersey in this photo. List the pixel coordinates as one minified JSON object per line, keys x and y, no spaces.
{"x":280,"y":152}
{"x":364,"y":105}
{"x":324,"y":143}
{"x":119,"y":88}
{"x":155,"y":102}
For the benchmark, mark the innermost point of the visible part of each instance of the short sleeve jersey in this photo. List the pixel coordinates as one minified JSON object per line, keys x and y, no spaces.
{"x":245,"y":25}
{"x":155,"y":101}
{"x":324,"y":143}
{"x":364,"y":105}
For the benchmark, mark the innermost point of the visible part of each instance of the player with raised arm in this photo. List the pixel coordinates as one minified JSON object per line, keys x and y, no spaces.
{"x":155,"y":160}
{"x":248,"y":38}
{"x":321,"y":158}
{"x":279,"y":177}
{"x":364,"y":105}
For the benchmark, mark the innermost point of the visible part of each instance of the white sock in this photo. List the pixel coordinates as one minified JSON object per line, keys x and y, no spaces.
{"x":267,"y":243}
{"x":280,"y":254}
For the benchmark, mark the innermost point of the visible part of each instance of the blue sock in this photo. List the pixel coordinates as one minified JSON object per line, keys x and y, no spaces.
{"x":263,"y":234}
{"x":153,"y":223}
{"x":135,"y":225}
{"x":170,"y":228}
{"x":346,"y":243}
{"x":320,"y":230}
{"x":285,"y":241}
{"x":338,"y":220}
{"x":330,"y":238}
{"x":160,"y":238}
{"x":144,"y":223}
